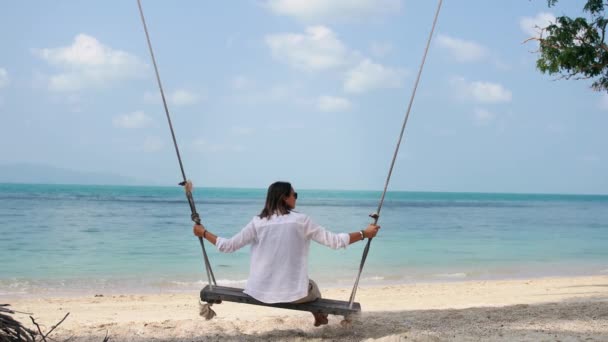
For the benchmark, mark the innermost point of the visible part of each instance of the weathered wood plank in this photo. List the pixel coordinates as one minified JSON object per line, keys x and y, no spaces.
{"x":232,"y":294}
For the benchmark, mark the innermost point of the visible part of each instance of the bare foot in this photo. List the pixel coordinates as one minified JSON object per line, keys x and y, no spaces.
{"x":320,"y":319}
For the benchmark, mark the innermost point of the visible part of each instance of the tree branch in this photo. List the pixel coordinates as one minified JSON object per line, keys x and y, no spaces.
{"x":39,"y":330}
{"x":56,"y":325}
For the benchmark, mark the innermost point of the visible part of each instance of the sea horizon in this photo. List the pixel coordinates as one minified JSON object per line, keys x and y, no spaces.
{"x":379,"y":191}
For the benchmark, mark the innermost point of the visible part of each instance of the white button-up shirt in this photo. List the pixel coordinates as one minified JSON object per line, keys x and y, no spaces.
{"x":278,"y":271}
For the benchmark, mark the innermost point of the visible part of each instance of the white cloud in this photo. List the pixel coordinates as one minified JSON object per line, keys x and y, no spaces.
{"x":381,"y":49}
{"x":132,"y":120}
{"x":482,"y":92}
{"x":501,"y":65}
{"x":532,"y":26}
{"x":241,"y":82}
{"x":286,"y":126}
{"x":462,"y":50}
{"x":277,"y":93}
{"x":556,"y":127}
{"x":444,"y":132}
{"x":333,"y":104}
{"x":490,"y":92}
{"x":591,"y":158}
{"x":369,"y":75}
{"x":73,"y":100}
{"x":603,"y":104}
{"x":242,"y":130}
{"x":4,"y":80}
{"x":263,"y":94}
{"x":483,"y":116}
{"x":202,"y":145}
{"x":88,"y":63}
{"x":182,"y":97}
{"x":179,"y":97}
{"x":231,"y":39}
{"x":152,"y":97}
{"x":317,"y":49}
{"x":323,"y":10}
{"x":153,"y":144}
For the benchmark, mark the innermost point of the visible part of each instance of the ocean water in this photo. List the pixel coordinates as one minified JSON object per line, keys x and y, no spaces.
{"x":71,"y":239}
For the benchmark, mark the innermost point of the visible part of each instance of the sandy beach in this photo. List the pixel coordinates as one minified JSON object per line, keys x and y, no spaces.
{"x":546,"y":309}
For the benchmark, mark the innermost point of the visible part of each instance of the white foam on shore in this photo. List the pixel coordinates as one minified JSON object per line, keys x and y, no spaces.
{"x":231,"y":282}
{"x":201,"y":283}
{"x":451,"y":275}
{"x":12,"y":293}
{"x":186,"y":283}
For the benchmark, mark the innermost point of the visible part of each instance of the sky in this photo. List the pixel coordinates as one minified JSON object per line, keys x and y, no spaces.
{"x":309,"y":91}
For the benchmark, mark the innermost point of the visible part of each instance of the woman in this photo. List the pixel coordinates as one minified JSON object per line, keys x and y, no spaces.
{"x":280,"y":240}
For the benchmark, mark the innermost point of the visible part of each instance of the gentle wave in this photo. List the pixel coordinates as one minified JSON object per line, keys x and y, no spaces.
{"x":201,"y":283}
{"x":451,"y":275}
{"x":346,"y":203}
{"x":28,"y":287}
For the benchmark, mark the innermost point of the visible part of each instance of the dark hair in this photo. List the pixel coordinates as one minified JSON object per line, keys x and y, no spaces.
{"x":275,"y":199}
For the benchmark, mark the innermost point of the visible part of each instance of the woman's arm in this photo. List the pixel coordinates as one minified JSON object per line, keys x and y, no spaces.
{"x":369,"y":232}
{"x":333,"y":240}
{"x":199,"y":230}
{"x":241,"y":239}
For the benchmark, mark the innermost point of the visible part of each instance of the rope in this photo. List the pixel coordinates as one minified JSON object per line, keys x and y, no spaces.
{"x":195,"y":217}
{"x":376,"y":215}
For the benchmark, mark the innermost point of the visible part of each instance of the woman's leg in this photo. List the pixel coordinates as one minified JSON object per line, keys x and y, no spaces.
{"x":313,"y":294}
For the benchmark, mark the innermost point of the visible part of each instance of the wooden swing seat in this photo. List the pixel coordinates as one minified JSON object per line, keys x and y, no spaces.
{"x":216,"y":294}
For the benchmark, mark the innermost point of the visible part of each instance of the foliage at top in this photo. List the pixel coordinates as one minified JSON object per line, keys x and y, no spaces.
{"x":575,"y":48}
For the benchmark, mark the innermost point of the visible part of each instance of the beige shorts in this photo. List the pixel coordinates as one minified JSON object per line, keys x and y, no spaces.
{"x":313,"y":293}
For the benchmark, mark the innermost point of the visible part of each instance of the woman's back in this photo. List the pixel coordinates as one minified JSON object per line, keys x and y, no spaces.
{"x":279,"y":259}
{"x":278,"y":271}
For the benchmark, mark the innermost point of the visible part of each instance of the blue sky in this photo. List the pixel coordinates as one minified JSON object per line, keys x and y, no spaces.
{"x":313,"y":92}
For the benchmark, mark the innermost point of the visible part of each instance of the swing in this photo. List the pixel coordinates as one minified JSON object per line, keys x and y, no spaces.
{"x":214,"y":294}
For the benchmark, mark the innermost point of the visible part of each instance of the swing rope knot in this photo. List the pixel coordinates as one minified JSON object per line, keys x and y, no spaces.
{"x":195,"y":218}
{"x":204,"y":310}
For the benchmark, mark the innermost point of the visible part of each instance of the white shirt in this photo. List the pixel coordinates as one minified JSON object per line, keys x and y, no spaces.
{"x":278,"y":270}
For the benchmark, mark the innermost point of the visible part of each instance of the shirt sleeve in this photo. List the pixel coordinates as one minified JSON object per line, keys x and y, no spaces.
{"x":244,"y":237}
{"x":319,"y":234}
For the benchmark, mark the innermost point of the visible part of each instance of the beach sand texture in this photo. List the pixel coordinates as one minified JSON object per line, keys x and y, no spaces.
{"x":546,"y":309}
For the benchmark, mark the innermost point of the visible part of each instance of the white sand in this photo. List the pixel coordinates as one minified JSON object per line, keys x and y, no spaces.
{"x":548,"y":309}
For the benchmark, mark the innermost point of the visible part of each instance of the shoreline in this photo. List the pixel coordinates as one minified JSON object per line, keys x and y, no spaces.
{"x":528,"y":309}
{"x":150,"y":285}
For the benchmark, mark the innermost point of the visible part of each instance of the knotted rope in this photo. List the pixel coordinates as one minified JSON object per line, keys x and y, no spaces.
{"x":195,"y":217}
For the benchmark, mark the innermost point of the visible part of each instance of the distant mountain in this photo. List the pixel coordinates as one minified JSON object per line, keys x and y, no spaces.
{"x":46,"y":174}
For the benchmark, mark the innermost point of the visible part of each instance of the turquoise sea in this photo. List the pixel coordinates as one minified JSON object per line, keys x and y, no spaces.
{"x":72,"y":239}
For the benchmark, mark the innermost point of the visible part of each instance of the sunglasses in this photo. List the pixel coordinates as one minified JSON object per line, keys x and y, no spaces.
{"x":295,"y":195}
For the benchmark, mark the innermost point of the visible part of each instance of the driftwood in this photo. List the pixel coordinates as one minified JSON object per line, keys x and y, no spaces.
{"x":12,"y":330}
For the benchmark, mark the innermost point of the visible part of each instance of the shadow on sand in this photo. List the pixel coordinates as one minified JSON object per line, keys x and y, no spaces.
{"x":567,"y":320}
